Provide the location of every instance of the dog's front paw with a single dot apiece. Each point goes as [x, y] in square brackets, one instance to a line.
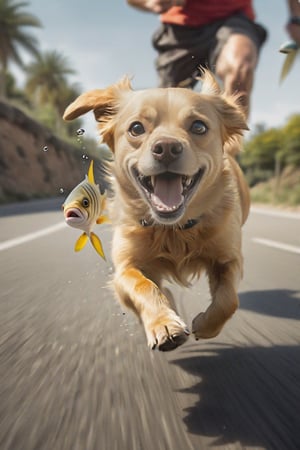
[166, 332]
[202, 328]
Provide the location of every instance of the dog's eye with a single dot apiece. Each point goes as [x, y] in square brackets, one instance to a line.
[85, 202]
[136, 129]
[198, 127]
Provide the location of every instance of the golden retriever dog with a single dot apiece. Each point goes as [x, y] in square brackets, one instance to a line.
[179, 200]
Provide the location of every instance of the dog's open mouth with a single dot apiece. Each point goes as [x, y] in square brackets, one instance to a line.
[168, 192]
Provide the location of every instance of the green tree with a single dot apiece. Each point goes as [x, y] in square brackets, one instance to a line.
[269, 151]
[261, 156]
[13, 36]
[290, 153]
[47, 77]
[47, 83]
[13, 92]
[261, 150]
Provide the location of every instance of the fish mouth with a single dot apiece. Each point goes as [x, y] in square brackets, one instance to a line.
[74, 216]
[168, 193]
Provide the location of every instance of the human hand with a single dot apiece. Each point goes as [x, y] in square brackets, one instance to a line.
[161, 6]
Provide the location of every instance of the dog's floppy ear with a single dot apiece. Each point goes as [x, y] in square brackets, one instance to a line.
[210, 85]
[231, 115]
[105, 105]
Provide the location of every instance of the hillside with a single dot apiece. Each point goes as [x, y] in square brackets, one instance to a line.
[33, 161]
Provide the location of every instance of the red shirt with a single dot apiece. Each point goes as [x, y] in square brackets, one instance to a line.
[202, 12]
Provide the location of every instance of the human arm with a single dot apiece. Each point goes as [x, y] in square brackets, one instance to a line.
[155, 6]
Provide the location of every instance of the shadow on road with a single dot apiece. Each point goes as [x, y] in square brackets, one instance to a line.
[249, 396]
[277, 303]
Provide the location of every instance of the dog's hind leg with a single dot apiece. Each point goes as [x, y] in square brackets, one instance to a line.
[223, 280]
[164, 328]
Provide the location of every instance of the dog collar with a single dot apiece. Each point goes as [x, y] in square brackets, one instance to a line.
[189, 224]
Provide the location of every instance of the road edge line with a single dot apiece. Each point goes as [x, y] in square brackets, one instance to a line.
[277, 245]
[10, 243]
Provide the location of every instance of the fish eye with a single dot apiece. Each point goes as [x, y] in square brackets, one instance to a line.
[136, 129]
[85, 202]
[198, 127]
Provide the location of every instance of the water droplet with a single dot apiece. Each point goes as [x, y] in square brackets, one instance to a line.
[45, 148]
[85, 157]
[80, 131]
[61, 190]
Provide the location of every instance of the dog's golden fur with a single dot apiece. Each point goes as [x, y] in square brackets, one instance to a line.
[179, 201]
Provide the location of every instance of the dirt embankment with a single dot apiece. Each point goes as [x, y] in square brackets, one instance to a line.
[33, 161]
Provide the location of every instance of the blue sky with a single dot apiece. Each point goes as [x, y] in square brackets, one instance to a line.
[106, 39]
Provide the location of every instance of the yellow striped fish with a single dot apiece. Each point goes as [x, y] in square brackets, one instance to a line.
[83, 209]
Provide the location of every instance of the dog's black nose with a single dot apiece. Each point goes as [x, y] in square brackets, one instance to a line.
[167, 150]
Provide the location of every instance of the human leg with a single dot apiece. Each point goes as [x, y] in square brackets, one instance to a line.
[235, 55]
[181, 51]
[235, 66]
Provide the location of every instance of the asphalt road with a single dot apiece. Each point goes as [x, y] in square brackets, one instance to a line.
[75, 371]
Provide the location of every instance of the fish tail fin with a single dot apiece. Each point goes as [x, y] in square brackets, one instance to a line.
[81, 242]
[97, 245]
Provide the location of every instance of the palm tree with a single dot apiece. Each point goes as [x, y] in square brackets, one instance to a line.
[13, 92]
[47, 82]
[13, 20]
[68, 92]
[47, 76]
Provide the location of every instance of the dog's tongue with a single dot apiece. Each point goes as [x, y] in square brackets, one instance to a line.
[167, 193]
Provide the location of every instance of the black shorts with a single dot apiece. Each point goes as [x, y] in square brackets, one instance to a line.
[181, 49]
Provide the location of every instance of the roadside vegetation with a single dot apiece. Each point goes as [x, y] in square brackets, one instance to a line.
[271, 156]
[47, 88]
[271, 162]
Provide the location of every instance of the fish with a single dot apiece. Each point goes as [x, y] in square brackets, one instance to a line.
[291, 50]
[83, 210]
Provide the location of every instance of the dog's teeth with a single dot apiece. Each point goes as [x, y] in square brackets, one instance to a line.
[153, 180]
[186, 181]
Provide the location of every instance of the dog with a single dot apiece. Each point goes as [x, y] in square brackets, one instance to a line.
[180, 199]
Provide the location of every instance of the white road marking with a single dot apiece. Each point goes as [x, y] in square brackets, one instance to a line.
[278, 245]
[31, 236]
[276, 213]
